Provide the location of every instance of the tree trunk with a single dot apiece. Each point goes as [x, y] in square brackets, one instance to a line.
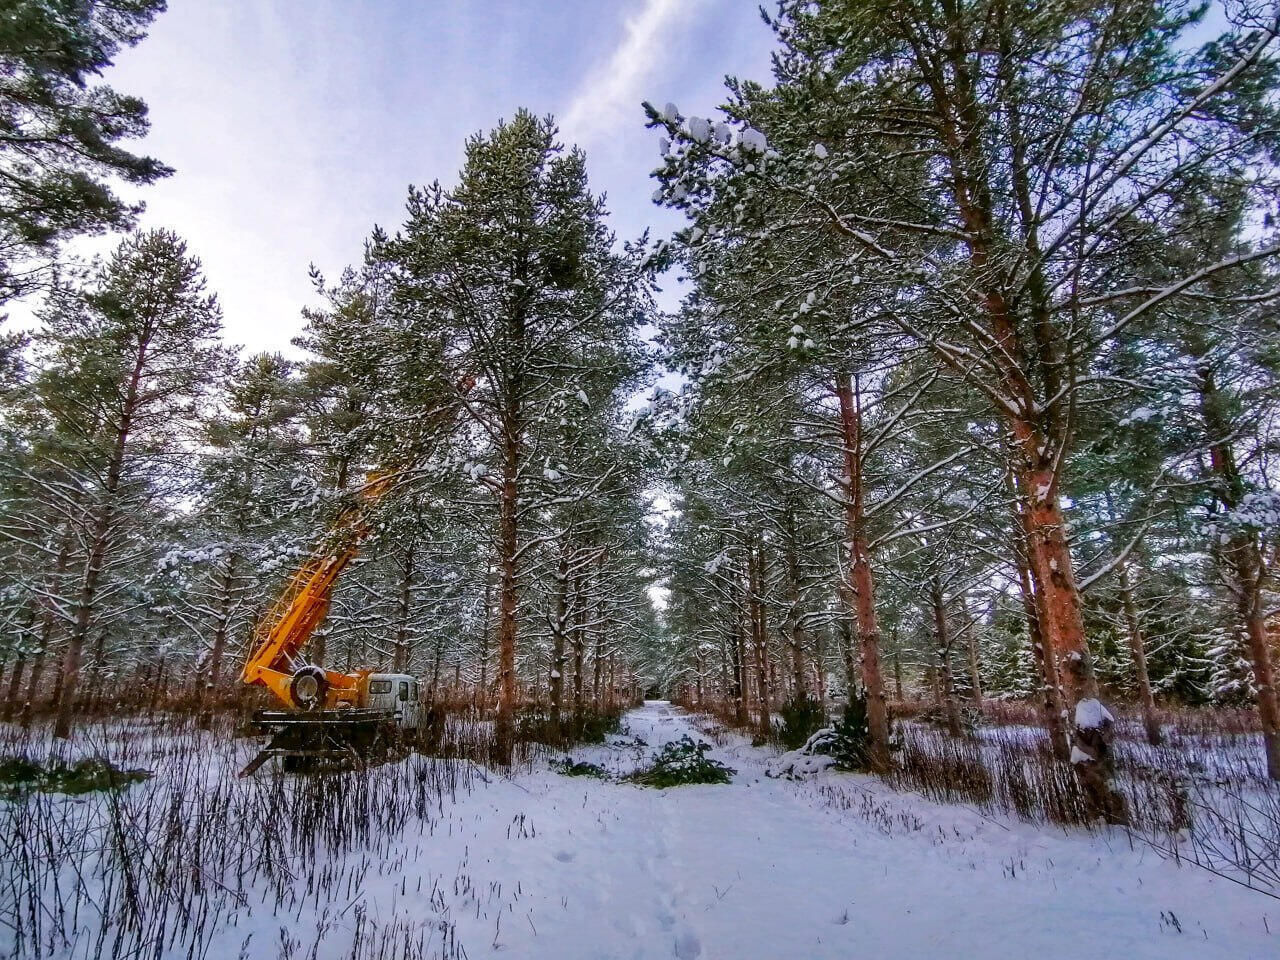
[971, 644]
[844, 627]
[15, 686]
[579, 647]
[819, 666]
[19, 666]
[1053, 711]
[794, 626]
[405, 607]
[759, 634]
[208, 690]
[740, 715]
[483, 688]
[558, 630]
[942, 638]
[862, 583]
[99, 543]
[508, 544]
[1246, 567]
[597, 653]
[1138, 649]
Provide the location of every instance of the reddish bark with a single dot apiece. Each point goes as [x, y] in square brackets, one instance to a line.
[861, 580]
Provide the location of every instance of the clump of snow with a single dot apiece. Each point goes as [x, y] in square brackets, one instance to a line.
[820, 151]
[1079, 756]
[805, 761]
[1092, 715]
[670, 113]
[699, 129]
[753, 141]
[1141, 415]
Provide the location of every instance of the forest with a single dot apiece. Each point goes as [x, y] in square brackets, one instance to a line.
[955, 464]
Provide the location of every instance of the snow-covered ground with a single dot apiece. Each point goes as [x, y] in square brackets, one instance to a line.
[540, 865]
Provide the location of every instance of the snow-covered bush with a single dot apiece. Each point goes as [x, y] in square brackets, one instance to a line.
[812, 757]
[843, 745]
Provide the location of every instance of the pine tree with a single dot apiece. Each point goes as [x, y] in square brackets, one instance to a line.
[512, 277]
[126, 365]
[60, 133]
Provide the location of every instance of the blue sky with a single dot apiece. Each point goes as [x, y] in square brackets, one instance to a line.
[294, 125]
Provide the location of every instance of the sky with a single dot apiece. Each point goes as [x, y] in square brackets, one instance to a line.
[296, 125]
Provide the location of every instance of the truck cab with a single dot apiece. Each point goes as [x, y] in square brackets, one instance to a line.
[394, 691]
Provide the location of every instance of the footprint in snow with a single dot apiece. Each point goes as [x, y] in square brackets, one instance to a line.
[564, 856]
[688, 946]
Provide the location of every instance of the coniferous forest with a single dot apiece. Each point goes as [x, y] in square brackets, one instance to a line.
[943, 495]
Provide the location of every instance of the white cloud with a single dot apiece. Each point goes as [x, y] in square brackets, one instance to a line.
[611, 94]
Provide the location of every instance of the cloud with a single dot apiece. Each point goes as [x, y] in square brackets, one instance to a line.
[611, 93]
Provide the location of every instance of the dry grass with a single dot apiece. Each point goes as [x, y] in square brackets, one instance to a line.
[164, 867]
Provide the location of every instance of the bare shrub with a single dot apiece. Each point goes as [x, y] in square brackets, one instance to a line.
[166, 866]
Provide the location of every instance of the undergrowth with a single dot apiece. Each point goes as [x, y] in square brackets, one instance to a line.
[20, 774]
[683, 762]
[802, 717]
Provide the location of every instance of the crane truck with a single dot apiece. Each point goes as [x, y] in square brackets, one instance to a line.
[329, 716]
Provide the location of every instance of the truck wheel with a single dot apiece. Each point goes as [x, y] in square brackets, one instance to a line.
[308, 687]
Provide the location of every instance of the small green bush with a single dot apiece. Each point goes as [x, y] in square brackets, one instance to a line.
[580, 768]
[18, 775]
[802, 717]
[681, 762]
[851, 744]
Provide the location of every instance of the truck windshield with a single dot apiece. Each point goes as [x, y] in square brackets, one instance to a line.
[379, 686]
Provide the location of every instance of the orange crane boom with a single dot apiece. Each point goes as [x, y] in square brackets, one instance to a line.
[294, 617]
[291, 621]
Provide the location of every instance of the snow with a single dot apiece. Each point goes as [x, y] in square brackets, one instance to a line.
[1141, 415]
[807, 760]
[538, 865]
[820, 151]
[753, 141]
[1092, 715]
[699, 129]
[1079, 756]
[670, 113]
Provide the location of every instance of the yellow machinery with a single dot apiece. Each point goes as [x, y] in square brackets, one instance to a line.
[304, 604]
[330, 715]
[350, 718]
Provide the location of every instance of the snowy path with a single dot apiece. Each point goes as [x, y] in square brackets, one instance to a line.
[763, 868]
